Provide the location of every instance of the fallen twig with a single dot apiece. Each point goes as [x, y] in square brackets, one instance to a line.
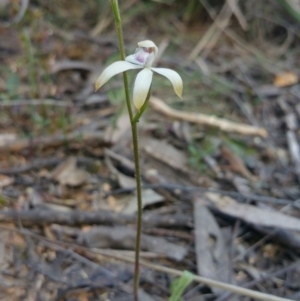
[222, 124]
[36, 164]
[53, 140]
[42, 163]
[36, 102]
[238, 13]
[47, 216]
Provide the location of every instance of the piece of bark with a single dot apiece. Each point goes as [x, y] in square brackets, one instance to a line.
[45, 216]
[124, 238]
[212, 255]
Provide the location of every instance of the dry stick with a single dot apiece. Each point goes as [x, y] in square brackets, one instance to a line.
[233, 4]
[228, 287]
[48, 216]
[36, 102]
[42, 163]
[222, 124]
[53, 140]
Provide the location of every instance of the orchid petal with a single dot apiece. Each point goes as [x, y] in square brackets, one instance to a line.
[173, 77]
[112, 70]
[141, 87]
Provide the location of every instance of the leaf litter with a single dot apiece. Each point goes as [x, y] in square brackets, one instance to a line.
[66, 163]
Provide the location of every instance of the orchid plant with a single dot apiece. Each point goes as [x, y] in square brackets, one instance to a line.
[143, 58]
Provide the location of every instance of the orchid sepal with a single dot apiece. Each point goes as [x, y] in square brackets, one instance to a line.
[173, 77]
[112, 70]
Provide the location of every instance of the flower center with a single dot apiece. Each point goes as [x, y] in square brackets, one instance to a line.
[148, 49]
[142, 54]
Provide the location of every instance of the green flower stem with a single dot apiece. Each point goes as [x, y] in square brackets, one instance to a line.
[115, 7]
[134, 120]
[140, 210]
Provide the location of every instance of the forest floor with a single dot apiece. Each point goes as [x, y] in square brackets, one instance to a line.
[220, 168]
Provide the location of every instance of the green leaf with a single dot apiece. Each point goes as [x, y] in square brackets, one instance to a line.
[179, 285]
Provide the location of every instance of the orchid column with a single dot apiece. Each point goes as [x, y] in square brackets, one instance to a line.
[143, 58]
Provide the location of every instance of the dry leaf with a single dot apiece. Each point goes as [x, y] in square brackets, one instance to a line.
[249, 213]
[285, 79]
[129, 202]
[212, 255]
[236, 163]
[149, 197]
[123, 180]
[5, 180]
[68, 173]
[166, 153]
[7, 138]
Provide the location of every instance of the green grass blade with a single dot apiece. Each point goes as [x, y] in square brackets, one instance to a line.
[179, 285]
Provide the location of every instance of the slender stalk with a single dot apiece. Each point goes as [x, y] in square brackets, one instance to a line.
[134, 120]
[140, 210]
[115, 7]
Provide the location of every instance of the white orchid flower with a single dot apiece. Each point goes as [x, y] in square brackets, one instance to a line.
[143, 58]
